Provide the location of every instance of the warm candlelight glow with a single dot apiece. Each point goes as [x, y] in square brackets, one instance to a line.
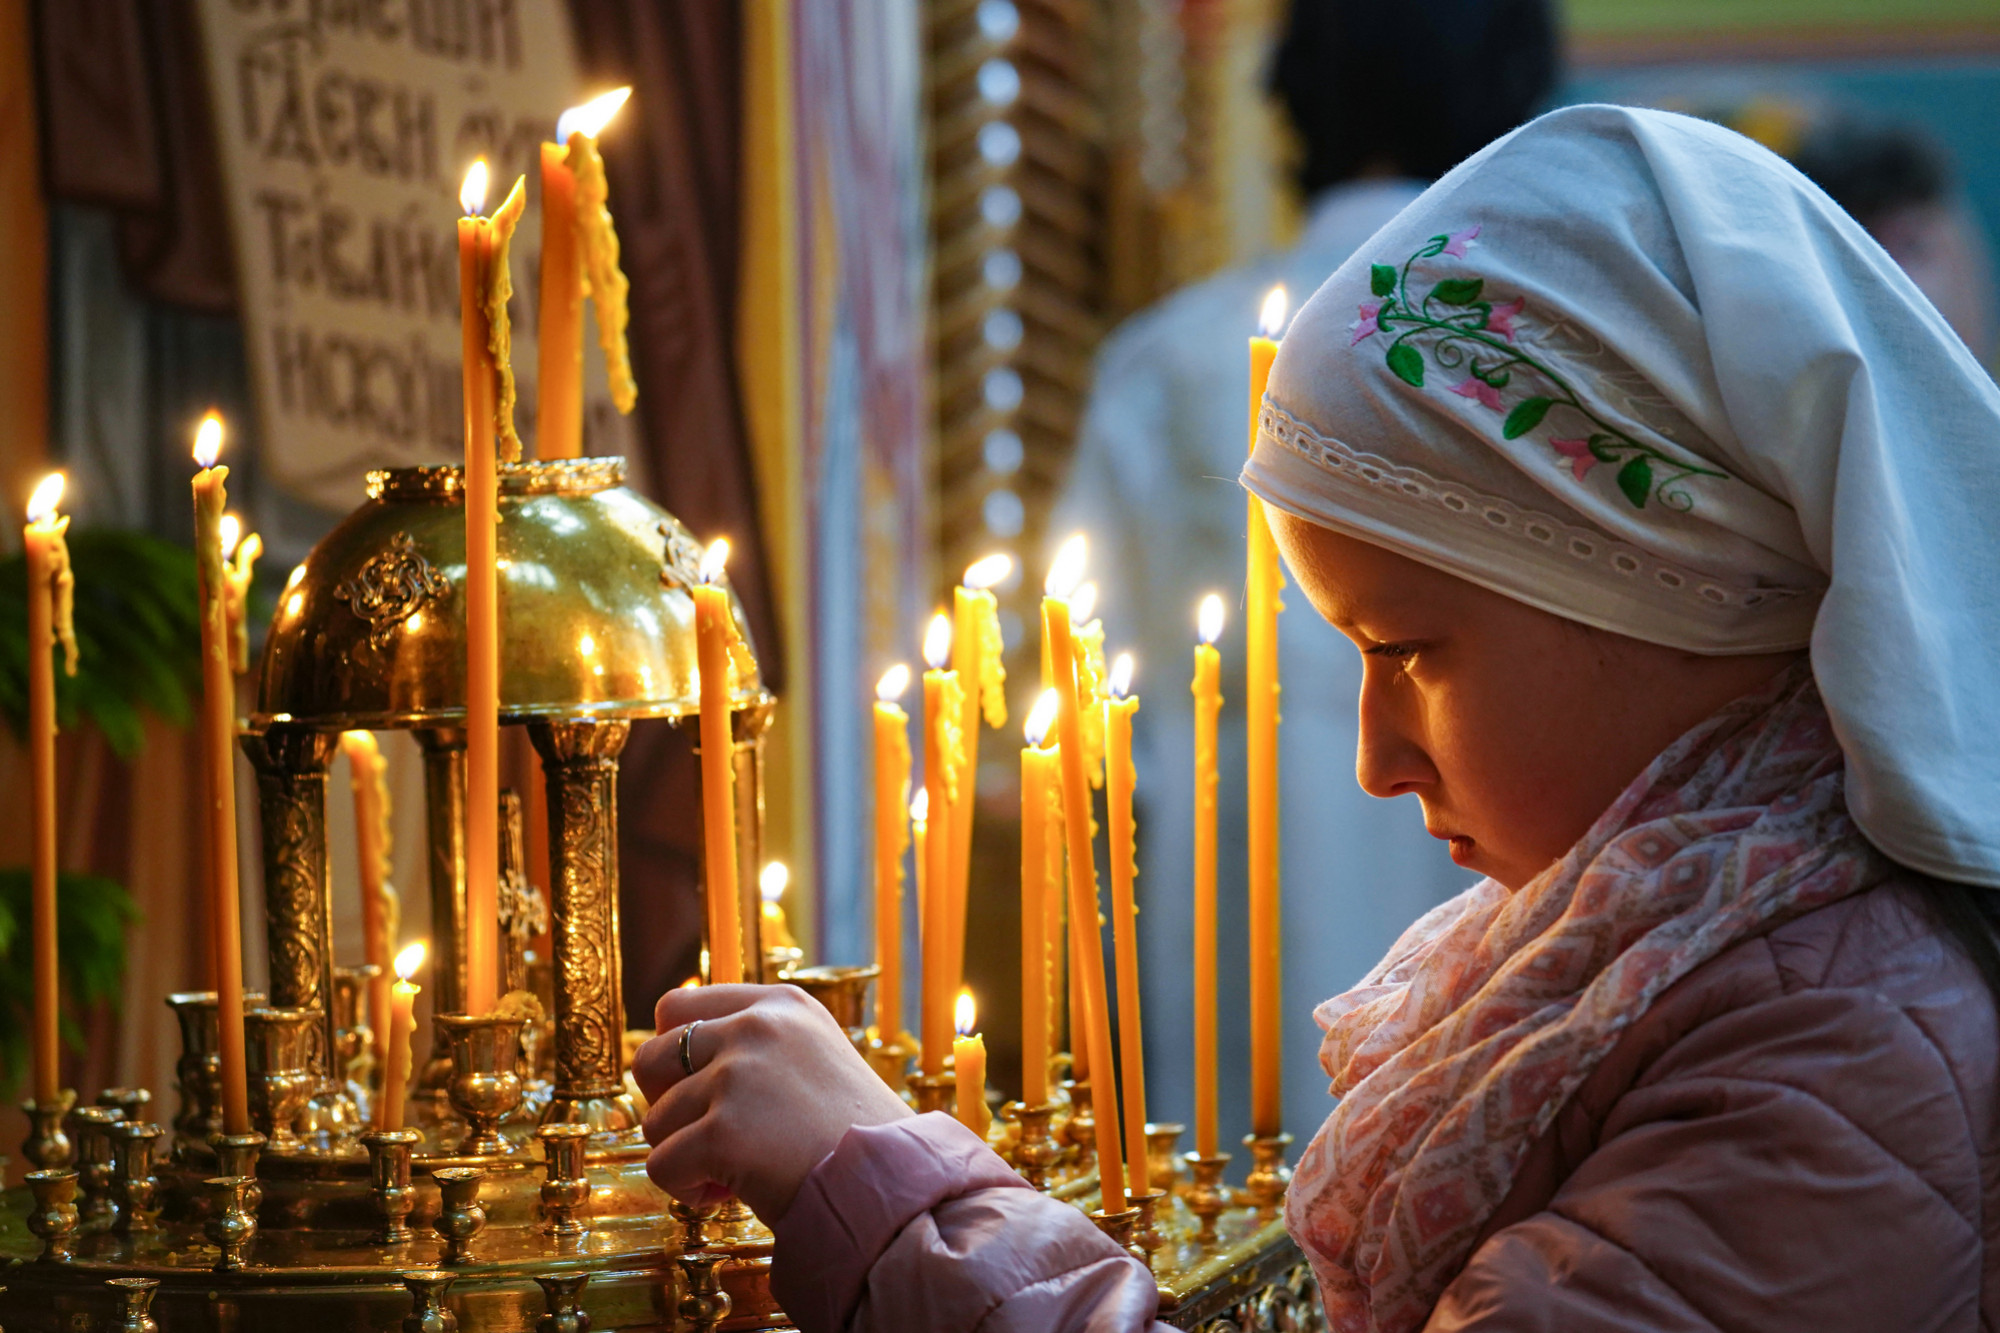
[232, 533]
[208, 440]
[1271, 319]
[590, 119]
[937, 642]
[713, 560]
[472, 194]
[965, 1015]
[893, 683]
[42, 504]
[1083, 605]
[1041, 718]
[989, 571]
[692, 983]
[772, 882]
[920, 806]
[1208, 620]
[1066, 570]
[1121, 675]
[409, 960]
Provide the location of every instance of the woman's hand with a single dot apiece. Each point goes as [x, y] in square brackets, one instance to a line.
[776, 1085]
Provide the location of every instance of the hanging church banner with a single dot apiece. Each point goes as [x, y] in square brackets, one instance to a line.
[346, 127]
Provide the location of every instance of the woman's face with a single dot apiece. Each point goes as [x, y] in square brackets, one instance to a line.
[1515, 728]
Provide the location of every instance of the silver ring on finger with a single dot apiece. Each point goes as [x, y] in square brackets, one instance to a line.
[687, 1047]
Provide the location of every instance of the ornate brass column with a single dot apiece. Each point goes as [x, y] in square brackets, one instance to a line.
[580, 762]
[444, 807]
[291, 765]
[747, 728]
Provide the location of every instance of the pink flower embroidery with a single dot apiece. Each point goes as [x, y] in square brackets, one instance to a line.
[1477, 388]
[1365, 326]
[1578, 453]
[1501, 320]
[1455, 243]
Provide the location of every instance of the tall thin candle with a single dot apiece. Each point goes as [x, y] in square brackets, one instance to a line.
[1039, 789]
[398, 1022]
[1260, 633]
[892, 839]
[572, 214]
[380, 910]
[715, 640]
[1207, 711]
[982, 680]
[1120, 779]
[218, 735]
[49, 600]
[941, 714]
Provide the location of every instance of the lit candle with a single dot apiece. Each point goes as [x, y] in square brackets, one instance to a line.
[218, 735]
[1260, 635]
[1086, 948]
[892, 839]
[1065, 572]
[1087, 631]
[976, 657]
[1038, 830]
[484, 287]
[774, 932]
[718, 647]
[1207, 709]
[402, 1021]
[380, 911]
[1120, 778]
[968, 1059]
[50, 586]
[941, 714]
[579, 256]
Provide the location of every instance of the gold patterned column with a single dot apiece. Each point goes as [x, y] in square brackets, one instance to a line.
[444, 809]
[580, 765]
[291, 768]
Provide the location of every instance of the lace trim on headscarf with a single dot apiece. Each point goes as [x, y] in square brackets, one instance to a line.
[1581, 544]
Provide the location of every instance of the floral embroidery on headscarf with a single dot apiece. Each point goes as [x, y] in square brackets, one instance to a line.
[1462, 331]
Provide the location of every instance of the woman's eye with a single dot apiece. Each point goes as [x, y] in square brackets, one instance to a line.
[1397, 651]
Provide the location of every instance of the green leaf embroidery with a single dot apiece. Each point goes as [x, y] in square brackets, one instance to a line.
[1601, 448]
[1408, 364]
[1527, 415]
[1636, 480]
[1381, 279]
[1458, 291]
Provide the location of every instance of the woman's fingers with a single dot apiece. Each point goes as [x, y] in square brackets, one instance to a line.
[691, 1002]
[657, 1065]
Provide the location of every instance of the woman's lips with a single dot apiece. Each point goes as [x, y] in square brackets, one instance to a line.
[1461, 848]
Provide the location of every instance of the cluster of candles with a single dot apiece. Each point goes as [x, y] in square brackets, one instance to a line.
[580, 257]
[1078, 737]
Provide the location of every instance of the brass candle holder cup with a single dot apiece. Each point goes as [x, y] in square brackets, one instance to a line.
[87, 1126]
[844, 992]
[236, 1155]
[132, 1181]
[890, 1058]
[47, 1146]
[1206, 1195]
[136, 1103]
[1120, 1227]
[935, 1092]
[277, 1044]
[231, 1222]
[706, 1304]
[429, 1313]
[1036, 1152]
[561, 1292]
[693, 1222]
[135, 1303]
[485, 1076]
[460, 1215]
[389, 1186]
[1147, 1237]
[1163, 1159]
[199, 1070]
[1264, 1188]
[566, 1192]
[54, 1218]
[1079, 1131]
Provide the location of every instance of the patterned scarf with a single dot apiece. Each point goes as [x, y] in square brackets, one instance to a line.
[1453, 1056]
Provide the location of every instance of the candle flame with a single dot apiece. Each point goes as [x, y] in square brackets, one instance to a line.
[1121, 675]
[590, 119]
[1271, 319]
[472, 194]
[937, 641]
[692, 983]
[208, 439]
[1066, 570]
[965, 1014]
[48, 495]
[894, 681]
[409, 960]
[1083, 605]
[1041, 718]
[920, 806]
[983, 574]
[772, 882]
[1208, 620]
[713, 560]
[231, 532]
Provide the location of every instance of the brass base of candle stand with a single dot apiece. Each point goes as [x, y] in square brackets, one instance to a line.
[1269, 1177]
[1207, 1197]
[935, 1092]
[1163, 1159]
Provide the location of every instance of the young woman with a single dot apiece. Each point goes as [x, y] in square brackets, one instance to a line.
[1658, 503]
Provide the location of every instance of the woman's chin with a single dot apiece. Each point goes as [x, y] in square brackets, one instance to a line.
[1464, 851]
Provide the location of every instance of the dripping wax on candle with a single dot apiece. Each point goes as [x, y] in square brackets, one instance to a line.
[401, 1022]
[968, 1057]
[892, 839]
[942, 704]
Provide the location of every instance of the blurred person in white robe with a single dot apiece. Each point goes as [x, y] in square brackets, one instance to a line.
[1385, 97]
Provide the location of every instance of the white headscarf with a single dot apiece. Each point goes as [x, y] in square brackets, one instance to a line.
[1633, 369]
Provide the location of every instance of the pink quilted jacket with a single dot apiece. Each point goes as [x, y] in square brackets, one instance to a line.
[1801, 1135]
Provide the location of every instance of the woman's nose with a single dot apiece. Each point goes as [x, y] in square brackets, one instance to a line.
[1389, 756]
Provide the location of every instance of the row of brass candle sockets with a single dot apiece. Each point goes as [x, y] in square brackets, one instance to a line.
[565, 1193]
[134, 1296]
[704, 1306]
